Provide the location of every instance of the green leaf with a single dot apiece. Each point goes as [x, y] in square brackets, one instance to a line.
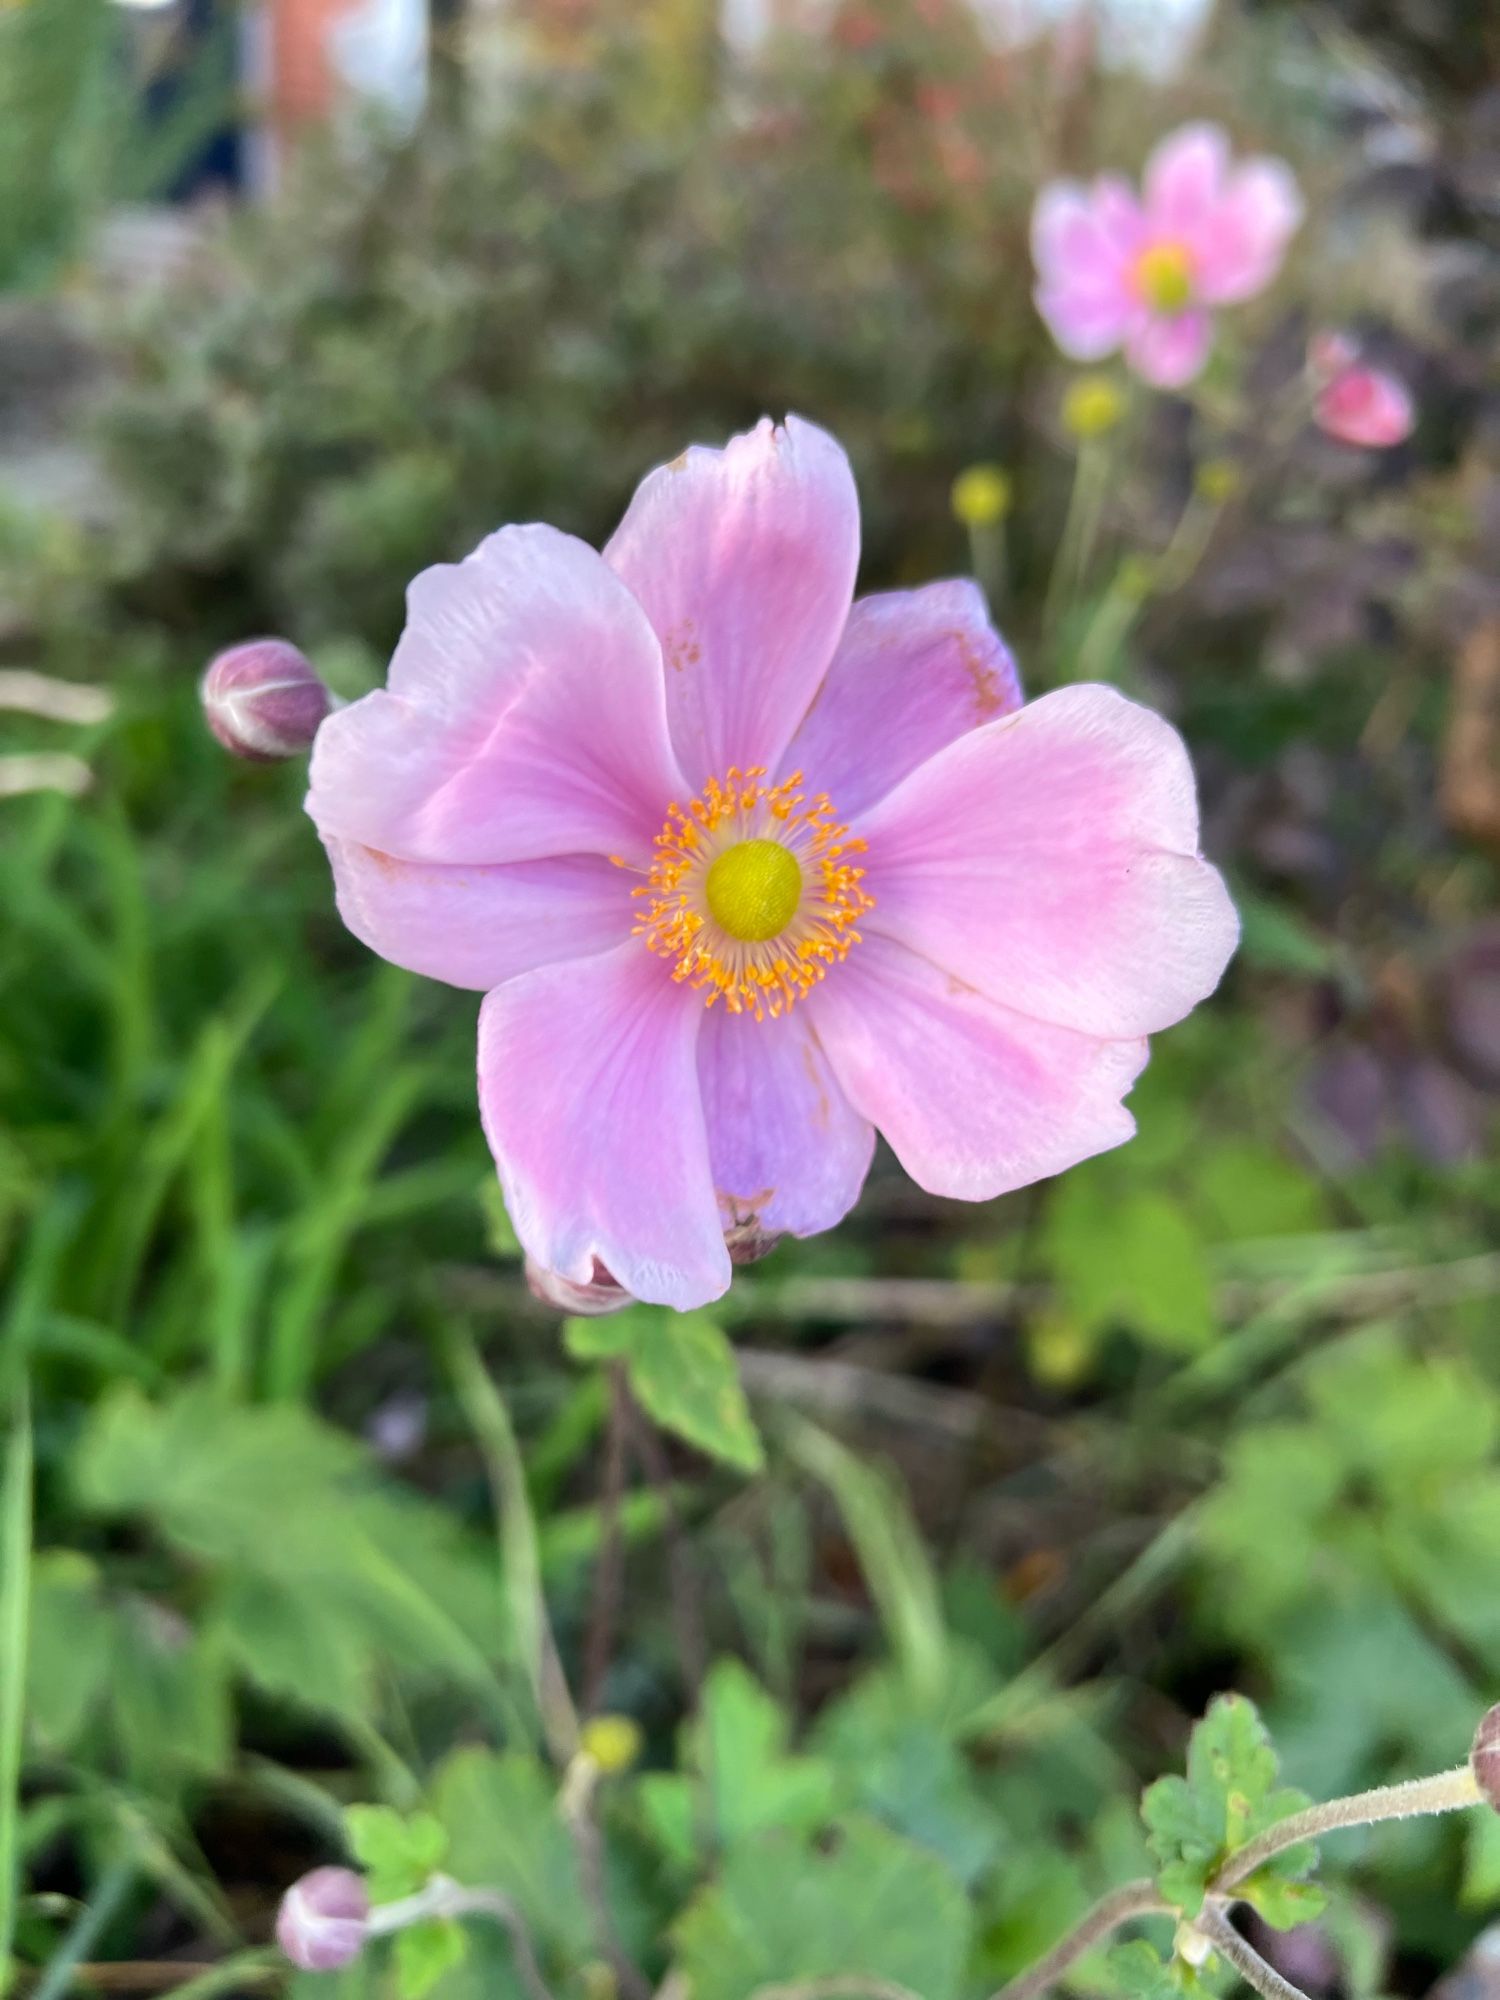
[1130, 1257]
[73, 1635]
[1229, 1794]
[504, 1829]
[787, 1909]
[424, 1952]
[682, 1372]
[1139, 1972]
[399, 1854]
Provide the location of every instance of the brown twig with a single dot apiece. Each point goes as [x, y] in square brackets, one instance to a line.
[1121, 1906]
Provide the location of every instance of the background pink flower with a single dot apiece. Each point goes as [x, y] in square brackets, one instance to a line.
[747, 872]
[1357, 404]
[1143, 271]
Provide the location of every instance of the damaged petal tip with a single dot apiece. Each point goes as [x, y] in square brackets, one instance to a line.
[600, 1295]
[264, 701]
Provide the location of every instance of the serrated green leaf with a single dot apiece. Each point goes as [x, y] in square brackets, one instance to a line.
[424, 1952]
[786, 1909]
[682, 1372]
[1228, 1795]
[399, 1853]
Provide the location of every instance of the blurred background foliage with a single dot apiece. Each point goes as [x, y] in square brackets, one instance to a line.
[1218, 1410]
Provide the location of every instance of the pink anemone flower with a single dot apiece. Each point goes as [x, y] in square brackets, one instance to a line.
[746, 871]
[1145, 271]
[1357, 404]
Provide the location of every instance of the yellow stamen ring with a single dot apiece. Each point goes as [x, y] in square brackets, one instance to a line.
[752, 893]
[1164, 277]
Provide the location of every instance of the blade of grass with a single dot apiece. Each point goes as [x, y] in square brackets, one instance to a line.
[15, 1602]
[534, 1651]
[96, 1913]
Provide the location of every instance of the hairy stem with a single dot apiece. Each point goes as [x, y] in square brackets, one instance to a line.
[443, 1897]
[1120, 1906]
[1213, 1924]
[1446, 1792]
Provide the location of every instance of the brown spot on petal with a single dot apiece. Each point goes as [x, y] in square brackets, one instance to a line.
[679, 463]
[824, 1111]
[680, 648]
[989, 693]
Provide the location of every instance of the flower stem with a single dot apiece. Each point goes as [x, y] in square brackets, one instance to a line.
[1448, 1791]
[1120, 1906]
[443, 1897]
[1212, 1923]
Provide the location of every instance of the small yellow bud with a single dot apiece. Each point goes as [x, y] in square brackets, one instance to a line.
[613, 1742]
[1059, 1350]
[981, 496]
[1093, 405]
[1217, 480]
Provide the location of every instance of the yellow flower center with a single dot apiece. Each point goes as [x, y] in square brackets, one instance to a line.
[753, 890]
[752, 893]
[1164, 277]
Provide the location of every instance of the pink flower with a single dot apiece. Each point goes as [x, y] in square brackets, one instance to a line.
[1116, 269]
[746, 873]
[1356, 404]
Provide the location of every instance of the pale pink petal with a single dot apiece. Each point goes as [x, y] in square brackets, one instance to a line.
[789, 1153]
[1240, 247]
[744, 562]
[1084, 238]
[524, 716]
[1050, 860]
[1087, 326]
[1183, 179]
[973, 1098]
[588, 1088]
[914, 669]
[1169, 352]
[476, 926]
[1368, 407]
[1083, 241]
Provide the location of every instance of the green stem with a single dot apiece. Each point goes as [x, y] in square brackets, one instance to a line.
[106, 1899]
[15, 1606]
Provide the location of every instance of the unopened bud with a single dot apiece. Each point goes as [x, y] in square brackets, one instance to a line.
[592, 1300]
[1092, 406]
[981, 496]
[1484, 1758]
[324, 1919]
[264, 701]
[612, 1741]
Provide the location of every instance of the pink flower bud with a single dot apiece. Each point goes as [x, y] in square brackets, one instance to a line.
[1357, 404]
[324, 1919]
[590, 1301]
[263, 700]
[1484, 1758]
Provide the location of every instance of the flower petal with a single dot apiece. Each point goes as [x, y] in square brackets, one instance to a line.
[788, 1152]
[1239, 249]
[588, 1088]
[1050, 861]
[1366, 406]
[914, 669]
[744, 561]
[1184, 177]
[475, 927]
[1169, 352]
[974, 1099]
[525, 716]
[1082, 241]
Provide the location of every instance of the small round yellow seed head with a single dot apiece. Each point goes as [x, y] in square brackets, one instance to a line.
[753, 890]
[1217, 480]
[981, 496]
[1093, 405]
[612, 1742]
